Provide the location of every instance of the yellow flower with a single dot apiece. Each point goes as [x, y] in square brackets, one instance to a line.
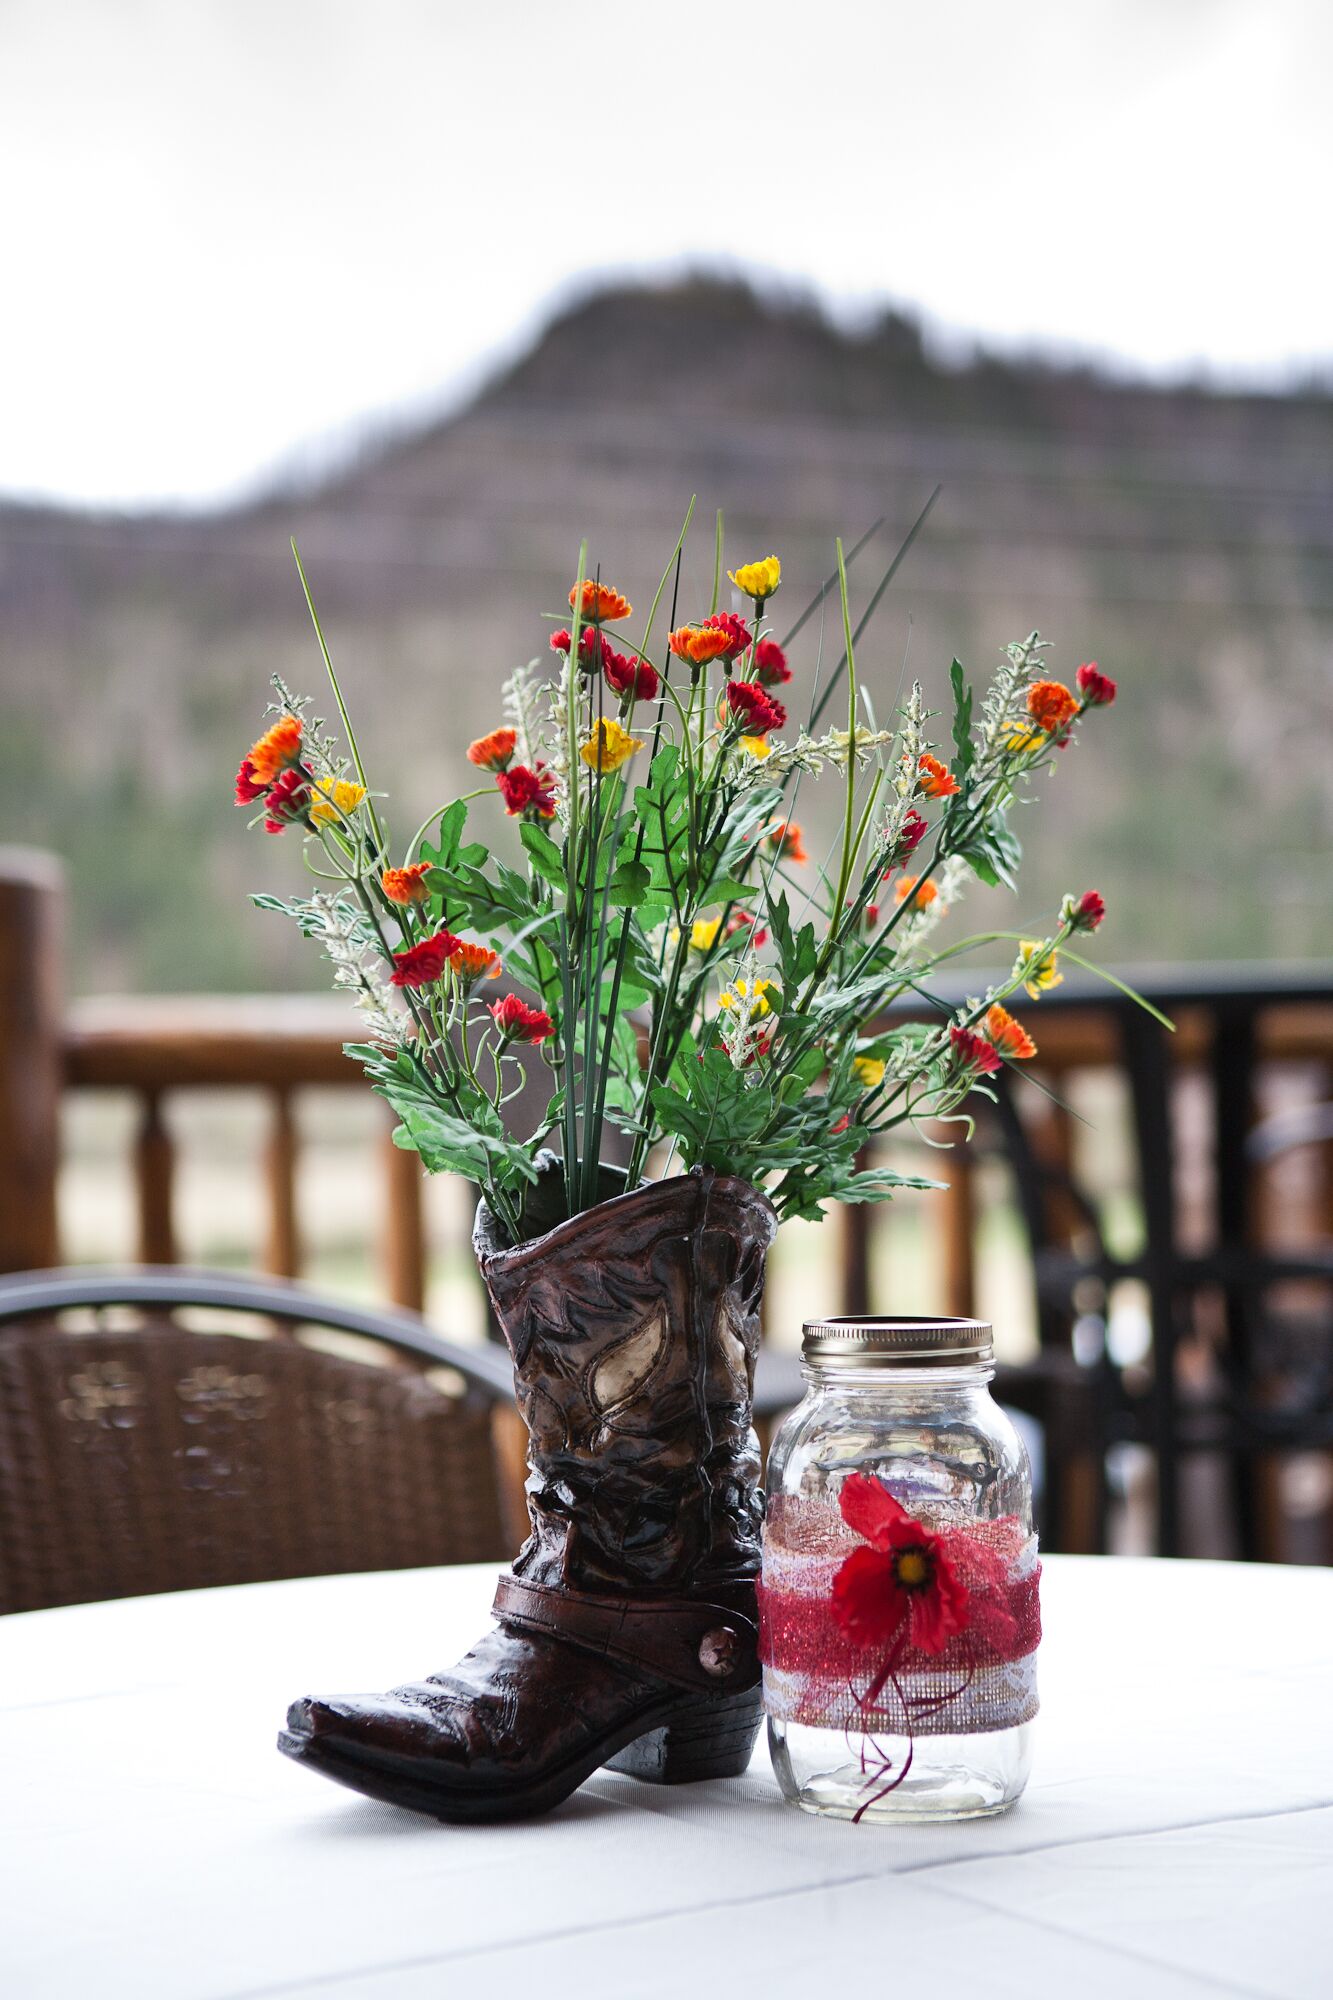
[1024, 737]
[615, 747]
[703, 933]
[758, 580]
[748, 993]
[869, 1070]
[758, 747]
[1037, 965]
[341, 797]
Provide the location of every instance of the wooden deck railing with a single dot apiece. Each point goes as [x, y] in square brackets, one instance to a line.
[281, 1046]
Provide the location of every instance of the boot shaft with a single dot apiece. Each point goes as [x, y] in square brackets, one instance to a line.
[633, 1329]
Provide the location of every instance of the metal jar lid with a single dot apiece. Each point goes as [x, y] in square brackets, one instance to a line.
[903, 1342]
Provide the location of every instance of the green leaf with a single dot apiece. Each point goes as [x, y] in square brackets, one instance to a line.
[962, 723]
[629, 884]
[994, 853]
[543, 854]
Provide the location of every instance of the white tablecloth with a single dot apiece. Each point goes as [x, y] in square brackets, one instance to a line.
[1176, 1839]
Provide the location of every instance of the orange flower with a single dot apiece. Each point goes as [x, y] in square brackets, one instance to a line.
[1009, 1036]
[276, 750]
[493, 752]
[936, 781]
[1051, 706]
[699, 644]
[786, 838]
[476, 961]
[923, 894]
[406, 885]
[601, 604]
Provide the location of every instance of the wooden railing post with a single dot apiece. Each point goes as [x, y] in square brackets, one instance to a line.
[31, 1008]
[155, 1166]
[283, 1256]
[855, 1218]
[404, 1228]
[957, 1219]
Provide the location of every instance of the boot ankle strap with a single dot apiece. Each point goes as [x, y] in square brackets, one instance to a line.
[676, 1639]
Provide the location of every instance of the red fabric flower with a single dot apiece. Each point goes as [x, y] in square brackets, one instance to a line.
[771, 663]
[903, 1583]
[755, 711]
[248, 787]
[525, 791]
[422, 964]
[736, 630]
[627, 674]
[1097, 689]
[518, 1022]
[288, 800]
[974, 1052]
[1088, 912]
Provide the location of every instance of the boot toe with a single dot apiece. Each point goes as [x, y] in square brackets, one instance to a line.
[390, 1725]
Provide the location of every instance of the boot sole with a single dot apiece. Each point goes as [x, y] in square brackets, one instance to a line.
[678, 1742]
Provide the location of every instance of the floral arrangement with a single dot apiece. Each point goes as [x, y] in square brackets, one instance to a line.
[685, 969]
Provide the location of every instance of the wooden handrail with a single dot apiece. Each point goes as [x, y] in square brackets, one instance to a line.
[283, 1044]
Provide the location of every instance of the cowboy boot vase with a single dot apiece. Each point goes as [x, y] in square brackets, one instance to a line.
[626, 1632]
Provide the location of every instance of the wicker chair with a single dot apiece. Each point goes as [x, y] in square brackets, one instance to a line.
[162, 1429]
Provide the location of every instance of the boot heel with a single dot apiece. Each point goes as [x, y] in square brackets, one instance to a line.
[709, 1738]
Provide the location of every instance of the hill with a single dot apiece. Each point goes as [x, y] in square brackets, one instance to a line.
[1181, 538]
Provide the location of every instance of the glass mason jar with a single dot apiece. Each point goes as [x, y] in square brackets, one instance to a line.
[899, 1611]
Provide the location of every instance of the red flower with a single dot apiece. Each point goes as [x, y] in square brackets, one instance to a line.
[601, 604]
[406, 885]
[592, 645]
[755, 711]
[493, 752]
[1052, 707]
[841, 1125]
[277, 749]
[288, 800]
[771, 663]
[248, 788]
[973, 1052]
[902, 1579]
[518, 1022]
[736, 630]
[910, 836]
[935, 779]
[742, 920]
[1009, 1036]
[787, 839]
[627, 674]
[1096, 688]
[525, 791]
[699, 644]
[422, 964]
[1087, 912]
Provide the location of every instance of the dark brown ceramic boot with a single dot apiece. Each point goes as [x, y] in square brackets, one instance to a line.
[626, 1633]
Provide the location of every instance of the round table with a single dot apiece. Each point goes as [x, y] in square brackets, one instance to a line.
[1176, 1839]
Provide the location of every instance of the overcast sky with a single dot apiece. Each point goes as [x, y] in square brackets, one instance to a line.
[233, 228]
